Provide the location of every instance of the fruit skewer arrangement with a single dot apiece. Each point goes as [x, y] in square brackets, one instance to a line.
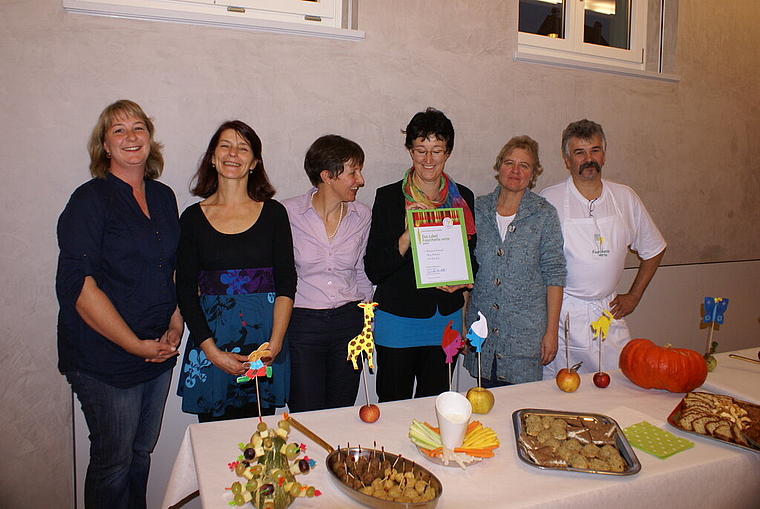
[268, 468]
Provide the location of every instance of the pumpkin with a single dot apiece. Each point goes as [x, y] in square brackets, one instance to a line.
[654, 367]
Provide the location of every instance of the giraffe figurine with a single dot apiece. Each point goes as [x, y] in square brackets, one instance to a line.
[365, 341]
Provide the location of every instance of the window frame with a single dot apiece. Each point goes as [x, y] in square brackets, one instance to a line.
[573, 52]
[335, 19]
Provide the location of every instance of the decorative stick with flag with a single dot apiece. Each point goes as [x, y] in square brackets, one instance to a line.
[451, 342]
[715, 308]
[601, 327]
[477, 334]
[256, 368]
[364, 344]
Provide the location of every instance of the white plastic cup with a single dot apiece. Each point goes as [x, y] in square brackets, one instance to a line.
[453, 412]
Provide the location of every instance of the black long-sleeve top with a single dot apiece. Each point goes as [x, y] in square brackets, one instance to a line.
[268, 243]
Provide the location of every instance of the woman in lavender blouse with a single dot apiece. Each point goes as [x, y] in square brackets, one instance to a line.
[330, 230]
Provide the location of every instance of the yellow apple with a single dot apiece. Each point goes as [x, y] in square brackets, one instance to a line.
[568, 379]
[481, 400]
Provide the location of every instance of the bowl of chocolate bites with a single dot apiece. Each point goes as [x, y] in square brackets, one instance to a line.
[382, 480]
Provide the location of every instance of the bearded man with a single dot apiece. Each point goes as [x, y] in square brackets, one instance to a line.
[601, 221]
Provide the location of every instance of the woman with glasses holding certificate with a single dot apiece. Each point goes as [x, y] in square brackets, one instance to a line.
[409, 322]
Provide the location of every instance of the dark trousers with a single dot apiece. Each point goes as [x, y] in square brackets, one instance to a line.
[397, 369]
[232, 412]
[320, 374]
[124, 426]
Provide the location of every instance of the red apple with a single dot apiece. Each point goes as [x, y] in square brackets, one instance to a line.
[601, 379]
[568, 379]
[369, 413]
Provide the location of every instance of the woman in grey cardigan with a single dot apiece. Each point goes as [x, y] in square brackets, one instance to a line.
[522, 271]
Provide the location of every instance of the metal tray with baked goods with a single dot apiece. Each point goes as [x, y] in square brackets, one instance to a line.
[720, 418]
[574, 442]
[340, 463]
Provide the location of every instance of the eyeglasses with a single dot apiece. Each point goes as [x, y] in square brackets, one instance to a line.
[421, 153]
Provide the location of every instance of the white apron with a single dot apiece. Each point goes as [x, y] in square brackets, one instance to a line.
[595, 250]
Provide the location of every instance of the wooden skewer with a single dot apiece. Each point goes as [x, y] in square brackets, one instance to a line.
[310, 434]
[709, 337]
[734, 356]
[600, 351]
[258, 398]
[365, 374]
[567, 340]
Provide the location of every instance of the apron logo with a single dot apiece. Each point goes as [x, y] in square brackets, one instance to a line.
[599, 240]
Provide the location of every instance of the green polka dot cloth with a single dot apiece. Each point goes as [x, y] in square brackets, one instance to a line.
[655, 441]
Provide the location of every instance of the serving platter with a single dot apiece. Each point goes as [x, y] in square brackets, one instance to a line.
[675, 417]
[399, 462]
[632, 464]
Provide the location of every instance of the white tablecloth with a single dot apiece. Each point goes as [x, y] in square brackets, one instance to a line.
[735, 377]
[709, 474]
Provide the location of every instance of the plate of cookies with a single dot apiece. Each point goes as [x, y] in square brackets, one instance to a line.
[576, 442]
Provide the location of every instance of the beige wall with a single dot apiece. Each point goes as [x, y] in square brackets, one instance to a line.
[686, 147]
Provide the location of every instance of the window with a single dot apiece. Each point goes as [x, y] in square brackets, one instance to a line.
[597, 34]
[322, 18]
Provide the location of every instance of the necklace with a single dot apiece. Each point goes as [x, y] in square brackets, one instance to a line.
[591, 207]
[340, 217]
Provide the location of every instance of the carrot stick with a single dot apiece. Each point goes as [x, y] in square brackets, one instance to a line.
[469, 450]
[478, 453]
[433, 453]
[483, 455]
[433, 428]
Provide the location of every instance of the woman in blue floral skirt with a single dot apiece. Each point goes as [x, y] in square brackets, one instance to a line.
[236, 281]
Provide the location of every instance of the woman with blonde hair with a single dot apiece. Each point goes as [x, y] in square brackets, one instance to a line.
[522, 271]
[119, 327]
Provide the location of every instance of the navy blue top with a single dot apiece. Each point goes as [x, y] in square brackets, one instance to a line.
[103, 233]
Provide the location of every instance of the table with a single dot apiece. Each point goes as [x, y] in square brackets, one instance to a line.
[735, 377]
[710, 474]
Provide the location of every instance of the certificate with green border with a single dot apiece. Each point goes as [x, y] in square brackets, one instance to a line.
[439, 247]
